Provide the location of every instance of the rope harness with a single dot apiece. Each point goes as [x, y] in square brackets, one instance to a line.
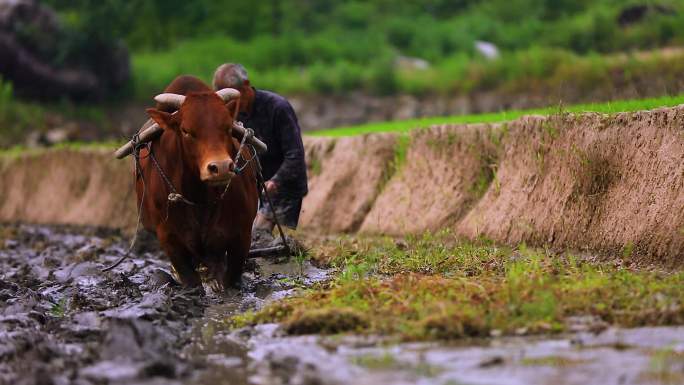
[175, 197]
[137, 145]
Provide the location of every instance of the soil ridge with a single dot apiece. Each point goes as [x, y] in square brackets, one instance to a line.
[594, 182]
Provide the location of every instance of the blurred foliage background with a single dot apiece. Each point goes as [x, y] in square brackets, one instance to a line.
[536, 52]
[335, 46]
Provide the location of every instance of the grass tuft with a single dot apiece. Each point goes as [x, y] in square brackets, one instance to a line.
[433, 287]
[325, 321]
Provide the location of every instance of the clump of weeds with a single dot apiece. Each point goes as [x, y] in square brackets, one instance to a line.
[666, 367]
[394, 167]
[436, 287]
[330, 320]
[316, 166]
[371, 361]
[387, 361]
[555, 361]
[7, 233]
[60, 308]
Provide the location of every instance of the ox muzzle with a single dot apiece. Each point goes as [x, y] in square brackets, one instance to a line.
[218, 172]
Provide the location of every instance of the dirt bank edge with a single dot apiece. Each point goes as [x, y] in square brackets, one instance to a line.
[68, 186]
[583, 181]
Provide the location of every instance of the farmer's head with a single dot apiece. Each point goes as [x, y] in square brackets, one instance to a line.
[234, 75]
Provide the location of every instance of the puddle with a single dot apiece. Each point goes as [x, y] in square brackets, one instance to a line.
[62, 321]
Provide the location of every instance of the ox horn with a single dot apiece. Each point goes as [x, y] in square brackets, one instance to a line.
[228, 93]
[173, 100]
[150, 129]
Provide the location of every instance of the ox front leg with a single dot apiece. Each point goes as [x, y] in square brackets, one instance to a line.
[236, 257]
[181, 259]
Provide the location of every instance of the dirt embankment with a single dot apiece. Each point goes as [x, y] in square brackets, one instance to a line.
[345, 177]
[589, 182]
[81, 187]
[444, 171]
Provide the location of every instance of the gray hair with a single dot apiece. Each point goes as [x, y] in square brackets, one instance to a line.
[232, 75]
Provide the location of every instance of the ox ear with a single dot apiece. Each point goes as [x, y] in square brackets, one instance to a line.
[165, 120]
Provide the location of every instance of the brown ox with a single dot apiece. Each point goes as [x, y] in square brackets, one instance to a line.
[196, 153]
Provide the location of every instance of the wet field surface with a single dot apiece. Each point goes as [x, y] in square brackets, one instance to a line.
[64, 321]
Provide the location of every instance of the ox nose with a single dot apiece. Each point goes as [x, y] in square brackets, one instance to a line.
[213, 168]
[219, 169]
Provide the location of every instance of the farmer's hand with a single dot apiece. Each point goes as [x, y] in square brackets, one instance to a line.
[271, 187]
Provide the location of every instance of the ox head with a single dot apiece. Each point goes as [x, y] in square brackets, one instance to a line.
[203, 126]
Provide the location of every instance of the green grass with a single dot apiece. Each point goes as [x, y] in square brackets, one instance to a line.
[407, 125]
[527, 71]
[387, 361]
[556, 361]
[20, 150]
[18, 117]
[295, 46]
[435, 287]
[665, 367]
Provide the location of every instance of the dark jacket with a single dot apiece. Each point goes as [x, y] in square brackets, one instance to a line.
[274, 122]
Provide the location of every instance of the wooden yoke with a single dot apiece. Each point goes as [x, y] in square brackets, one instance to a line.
[151, 130]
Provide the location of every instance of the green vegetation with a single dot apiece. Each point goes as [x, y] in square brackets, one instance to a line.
[16, 151]
[316, 166]
[407, 125]
[427, 28]
[302, 46]
[297, 46]
[532, 69]
[433, 287]
[15, 117]
[552, 361]
[59, 309]
[387, 362]
[665, 367]
[400, 150]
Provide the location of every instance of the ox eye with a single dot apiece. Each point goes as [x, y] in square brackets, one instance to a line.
[186, 134]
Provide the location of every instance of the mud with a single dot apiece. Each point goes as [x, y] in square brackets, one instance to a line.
[63, 321]
[635, 356]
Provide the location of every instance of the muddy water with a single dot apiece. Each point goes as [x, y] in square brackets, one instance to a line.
[62, 321]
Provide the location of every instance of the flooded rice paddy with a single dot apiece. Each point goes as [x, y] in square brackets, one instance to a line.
[64, 321]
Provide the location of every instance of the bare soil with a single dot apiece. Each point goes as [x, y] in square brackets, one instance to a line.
[64, 321]
[609, 183]
[76, 187]
[446, 170]
[345, 176]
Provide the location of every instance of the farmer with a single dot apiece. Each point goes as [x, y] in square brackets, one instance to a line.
[274, 121]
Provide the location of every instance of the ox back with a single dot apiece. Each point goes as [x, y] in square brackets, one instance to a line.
[207, 234]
